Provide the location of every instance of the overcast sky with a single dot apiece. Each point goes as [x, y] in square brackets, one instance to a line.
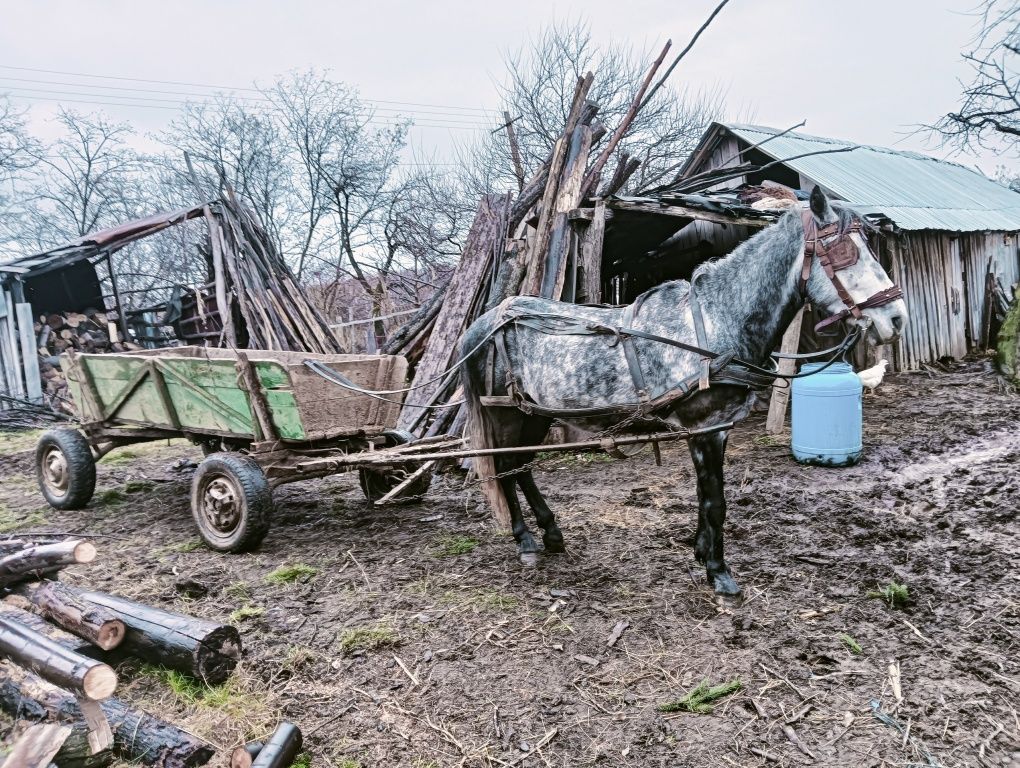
[864, 70]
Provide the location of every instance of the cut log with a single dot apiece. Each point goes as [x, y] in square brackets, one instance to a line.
[56, 602]
[244, 756]
[55, 663]
[203, 649]
[281, 748]
[37, 746]
[16, 607]
[137, 736]
[34, 562]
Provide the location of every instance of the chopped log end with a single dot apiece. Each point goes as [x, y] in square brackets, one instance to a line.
[217, 655]
[85, 552]
[244, 756]
[111, 634]
[100, 682]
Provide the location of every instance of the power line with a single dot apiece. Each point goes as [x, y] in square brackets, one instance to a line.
[97, 101]
[130, 100]
[204, 97]
[223, 87]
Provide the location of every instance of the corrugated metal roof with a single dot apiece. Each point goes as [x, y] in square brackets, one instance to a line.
[914, 190]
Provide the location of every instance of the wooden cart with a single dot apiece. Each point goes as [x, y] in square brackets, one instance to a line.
[262, 419]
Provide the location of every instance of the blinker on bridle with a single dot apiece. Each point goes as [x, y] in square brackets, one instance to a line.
[836, 251]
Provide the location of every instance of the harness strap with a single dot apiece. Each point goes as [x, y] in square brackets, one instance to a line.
[633, 361]
[699, 332]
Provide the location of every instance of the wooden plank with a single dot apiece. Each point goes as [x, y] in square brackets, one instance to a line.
[776, 421]
[690, 213]
[29, 355]
[36, 747]
[591, 255]
[11, 327]
[454, 315]
[567, 198]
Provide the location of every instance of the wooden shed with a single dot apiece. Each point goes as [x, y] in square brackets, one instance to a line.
[952, 233]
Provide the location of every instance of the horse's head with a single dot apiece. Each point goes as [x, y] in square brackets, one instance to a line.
[843, 275]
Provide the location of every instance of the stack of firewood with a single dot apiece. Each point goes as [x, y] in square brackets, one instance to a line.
[57, 332]
[55, 642]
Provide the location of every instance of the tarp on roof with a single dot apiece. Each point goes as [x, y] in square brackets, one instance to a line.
[114, 237]
[914, 190]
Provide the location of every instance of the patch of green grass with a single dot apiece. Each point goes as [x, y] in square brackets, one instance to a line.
[480, 599]
[238, 590]
[451, 546]
[592, 457]
[18, 440]
[769, 441]
[120, 456]
[895, 594]
[228, 697]
[11, 521]
[368, 638]
[247, 612]
[852, 645]
[699, 701]
[285, 574]
[138, 486]
[112, 496]
[304, 760]
[349, 763]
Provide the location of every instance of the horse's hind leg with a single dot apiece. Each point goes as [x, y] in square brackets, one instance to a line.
[552, 538]
[708, 453]
[527, 548]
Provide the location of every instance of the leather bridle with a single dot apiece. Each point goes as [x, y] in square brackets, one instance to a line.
[836, 251]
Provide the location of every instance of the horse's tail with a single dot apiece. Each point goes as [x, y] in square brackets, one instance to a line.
[481, 433]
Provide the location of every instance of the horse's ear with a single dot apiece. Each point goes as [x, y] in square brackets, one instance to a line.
[818, 202]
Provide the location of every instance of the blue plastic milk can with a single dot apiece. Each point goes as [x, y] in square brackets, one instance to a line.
[827, 420]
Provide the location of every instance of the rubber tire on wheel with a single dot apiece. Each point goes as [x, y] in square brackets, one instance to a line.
[72, 486]
[376, 483]
[249, 506]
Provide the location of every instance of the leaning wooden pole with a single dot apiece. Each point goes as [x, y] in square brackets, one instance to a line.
[203, 649]
[54, 663]
[58, 603]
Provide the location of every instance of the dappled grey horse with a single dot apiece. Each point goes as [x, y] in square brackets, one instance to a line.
[531, 360]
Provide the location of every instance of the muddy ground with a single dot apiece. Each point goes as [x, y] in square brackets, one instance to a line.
[419, 641]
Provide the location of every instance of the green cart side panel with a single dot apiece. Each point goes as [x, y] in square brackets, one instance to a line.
[205, 394]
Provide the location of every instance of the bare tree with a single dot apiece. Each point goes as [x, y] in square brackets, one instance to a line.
[17, 147]
[238, 142]
[538, 92]
[84, 180]
[989, 110]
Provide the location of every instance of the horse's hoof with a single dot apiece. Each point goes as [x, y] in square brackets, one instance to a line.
[724, 584]
[554, 544]
[528, 559]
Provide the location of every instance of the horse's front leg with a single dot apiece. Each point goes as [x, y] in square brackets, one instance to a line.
[708, 453]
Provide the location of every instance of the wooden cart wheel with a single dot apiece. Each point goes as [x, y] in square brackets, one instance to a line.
[376, 483]
[65, 468]
[231, 502]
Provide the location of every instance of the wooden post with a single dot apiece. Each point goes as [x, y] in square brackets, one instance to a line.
[29, 353]
[591, 256]
[776, 420]
[121, 315]
[11, 372]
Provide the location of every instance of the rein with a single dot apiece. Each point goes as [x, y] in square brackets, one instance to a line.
[835, 251]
